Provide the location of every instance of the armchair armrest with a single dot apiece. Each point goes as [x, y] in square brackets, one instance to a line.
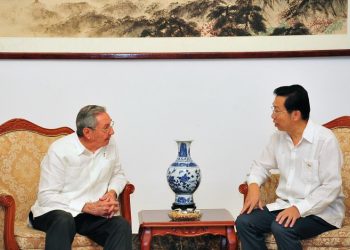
[124, 200]
[243, 189]
[267, 190]
[9, 205]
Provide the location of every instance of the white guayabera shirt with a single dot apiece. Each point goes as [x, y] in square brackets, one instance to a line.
[310, 173]
[71, 175]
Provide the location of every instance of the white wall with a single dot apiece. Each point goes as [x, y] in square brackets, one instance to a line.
[224, 105]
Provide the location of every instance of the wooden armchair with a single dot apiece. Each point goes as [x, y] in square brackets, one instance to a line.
[22, 146]
[335, 239]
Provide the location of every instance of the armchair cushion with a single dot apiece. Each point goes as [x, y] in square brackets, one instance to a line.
[28, 238]
[335, 239]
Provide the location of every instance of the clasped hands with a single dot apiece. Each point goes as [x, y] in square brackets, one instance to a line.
[287, 216]
[106, 206]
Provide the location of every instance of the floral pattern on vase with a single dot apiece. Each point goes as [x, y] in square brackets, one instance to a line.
[183, 177]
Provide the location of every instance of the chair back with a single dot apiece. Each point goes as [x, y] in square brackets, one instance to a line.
[341, 129]
[22, 147]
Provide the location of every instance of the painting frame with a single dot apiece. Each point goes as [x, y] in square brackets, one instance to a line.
[238, 51]
[224, 47]
[175, 55]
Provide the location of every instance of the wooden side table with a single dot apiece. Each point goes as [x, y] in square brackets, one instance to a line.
[213, 221]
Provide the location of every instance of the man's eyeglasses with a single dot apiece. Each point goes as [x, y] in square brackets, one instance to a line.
[277, 112]
[105, 129]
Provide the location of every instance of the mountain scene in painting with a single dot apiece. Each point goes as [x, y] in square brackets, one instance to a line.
[171, 18]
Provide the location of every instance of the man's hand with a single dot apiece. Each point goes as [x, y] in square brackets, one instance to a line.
[288, 216]
[111, 196]
[106, 206]
[253, 199]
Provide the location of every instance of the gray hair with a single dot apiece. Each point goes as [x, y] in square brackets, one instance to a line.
[86, 118]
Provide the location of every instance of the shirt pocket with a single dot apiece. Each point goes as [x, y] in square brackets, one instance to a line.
[309, 171]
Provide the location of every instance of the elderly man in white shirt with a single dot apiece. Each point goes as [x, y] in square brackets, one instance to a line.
[81, 177]
[309, 194]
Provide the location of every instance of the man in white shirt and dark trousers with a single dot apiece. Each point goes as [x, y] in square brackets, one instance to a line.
[81, 178]
[309, 194]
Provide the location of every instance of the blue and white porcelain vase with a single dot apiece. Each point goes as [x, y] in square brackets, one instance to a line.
[183, 177]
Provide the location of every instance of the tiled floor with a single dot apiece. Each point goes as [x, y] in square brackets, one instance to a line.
[207, 242]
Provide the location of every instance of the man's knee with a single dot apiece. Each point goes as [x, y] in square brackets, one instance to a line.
[286, 237]
[121, 225]
[242, 221]
[62, 220]
[279, 230]
[54, 219]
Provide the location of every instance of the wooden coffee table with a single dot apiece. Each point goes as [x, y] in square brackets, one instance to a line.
[213, 221]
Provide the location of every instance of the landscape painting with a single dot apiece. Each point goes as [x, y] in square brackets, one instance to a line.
[171, 18]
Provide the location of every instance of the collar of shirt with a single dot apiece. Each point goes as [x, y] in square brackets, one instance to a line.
[308, 133]
[81, 148]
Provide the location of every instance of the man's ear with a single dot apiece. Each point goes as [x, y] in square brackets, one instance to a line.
[296, 115]
[87, 133]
